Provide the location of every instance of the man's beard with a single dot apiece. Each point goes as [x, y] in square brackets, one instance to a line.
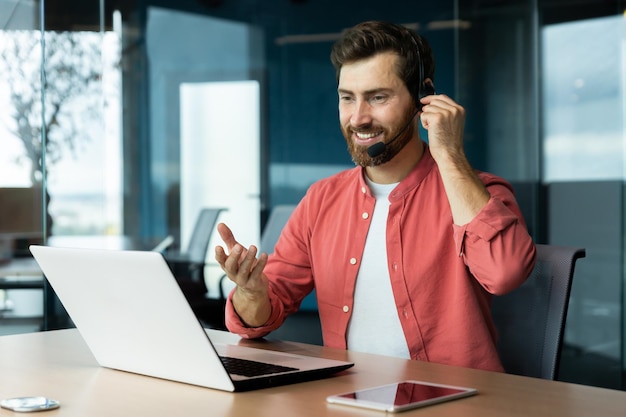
[359, 153]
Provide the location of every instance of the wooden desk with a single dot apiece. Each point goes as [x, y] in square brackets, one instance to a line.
[57, 364]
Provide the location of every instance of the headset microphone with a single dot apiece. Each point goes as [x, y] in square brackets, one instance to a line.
[378, 148]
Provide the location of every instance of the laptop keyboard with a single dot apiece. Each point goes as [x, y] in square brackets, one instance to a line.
[250, 368]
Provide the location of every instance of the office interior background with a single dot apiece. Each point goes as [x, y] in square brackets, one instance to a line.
[151, 110]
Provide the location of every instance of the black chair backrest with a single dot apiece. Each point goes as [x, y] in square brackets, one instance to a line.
[198, 245]
[531, 319]
[275, 223]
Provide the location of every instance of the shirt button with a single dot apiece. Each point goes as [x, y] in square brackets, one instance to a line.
[365, 215]
[346, 309]
[353, 261]
[363, 190]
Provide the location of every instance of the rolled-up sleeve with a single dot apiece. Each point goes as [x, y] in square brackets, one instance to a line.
[496, 245]
[237, 326]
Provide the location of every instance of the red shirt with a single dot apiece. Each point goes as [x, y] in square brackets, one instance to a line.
[442, 275]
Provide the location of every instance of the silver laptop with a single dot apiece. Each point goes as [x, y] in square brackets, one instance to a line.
[133, 316]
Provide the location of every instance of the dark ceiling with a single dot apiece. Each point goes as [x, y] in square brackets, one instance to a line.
[84, 15]
[65, 15]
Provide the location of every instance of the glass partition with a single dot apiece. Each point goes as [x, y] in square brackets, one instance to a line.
[583, 151]
[61, 178]
[22, 197]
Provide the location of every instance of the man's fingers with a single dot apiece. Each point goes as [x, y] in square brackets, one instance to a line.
[256, 280]
[248, 262]
[230, 263]
[241, 264]
[227, 235]
[220, 255]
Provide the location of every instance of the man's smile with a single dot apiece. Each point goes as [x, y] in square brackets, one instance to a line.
[367, 138]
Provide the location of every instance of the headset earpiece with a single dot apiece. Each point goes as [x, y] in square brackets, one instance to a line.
[428, 89]
[424, 88]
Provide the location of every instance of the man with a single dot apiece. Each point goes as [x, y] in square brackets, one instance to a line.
[405, 250]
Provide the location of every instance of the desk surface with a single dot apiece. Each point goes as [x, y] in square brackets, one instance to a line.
[58, 364]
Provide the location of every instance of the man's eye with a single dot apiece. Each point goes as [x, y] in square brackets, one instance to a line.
[346, 99]
[378, 99]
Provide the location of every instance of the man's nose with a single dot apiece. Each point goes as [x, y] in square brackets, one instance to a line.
[362, 114]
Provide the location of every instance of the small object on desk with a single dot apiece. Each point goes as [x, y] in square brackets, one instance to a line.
[401, 396]
[29, 404]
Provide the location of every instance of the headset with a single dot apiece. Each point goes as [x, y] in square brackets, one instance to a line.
[423, 88]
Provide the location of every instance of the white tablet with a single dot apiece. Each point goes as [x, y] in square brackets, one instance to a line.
[401, 396]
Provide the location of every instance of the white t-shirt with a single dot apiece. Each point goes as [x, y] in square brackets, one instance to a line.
[374, 326]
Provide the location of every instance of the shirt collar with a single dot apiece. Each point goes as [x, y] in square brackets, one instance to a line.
[418, 173]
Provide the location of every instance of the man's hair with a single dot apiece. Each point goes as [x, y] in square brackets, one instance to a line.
[370, 38]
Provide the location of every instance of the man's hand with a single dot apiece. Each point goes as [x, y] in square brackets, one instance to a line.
[445, 120]
[251, 299]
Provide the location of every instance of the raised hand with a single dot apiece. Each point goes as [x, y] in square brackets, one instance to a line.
[251, 300]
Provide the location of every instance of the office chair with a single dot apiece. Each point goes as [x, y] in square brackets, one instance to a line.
[531, 319]
[274, 226]
[189, 263]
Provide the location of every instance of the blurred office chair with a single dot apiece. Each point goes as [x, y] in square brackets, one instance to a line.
[274, 226]
[164, 244]
[188, 264]
[531, 319]
[188, 268]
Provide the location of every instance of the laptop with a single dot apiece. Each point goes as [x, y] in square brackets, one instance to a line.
[133, 316]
